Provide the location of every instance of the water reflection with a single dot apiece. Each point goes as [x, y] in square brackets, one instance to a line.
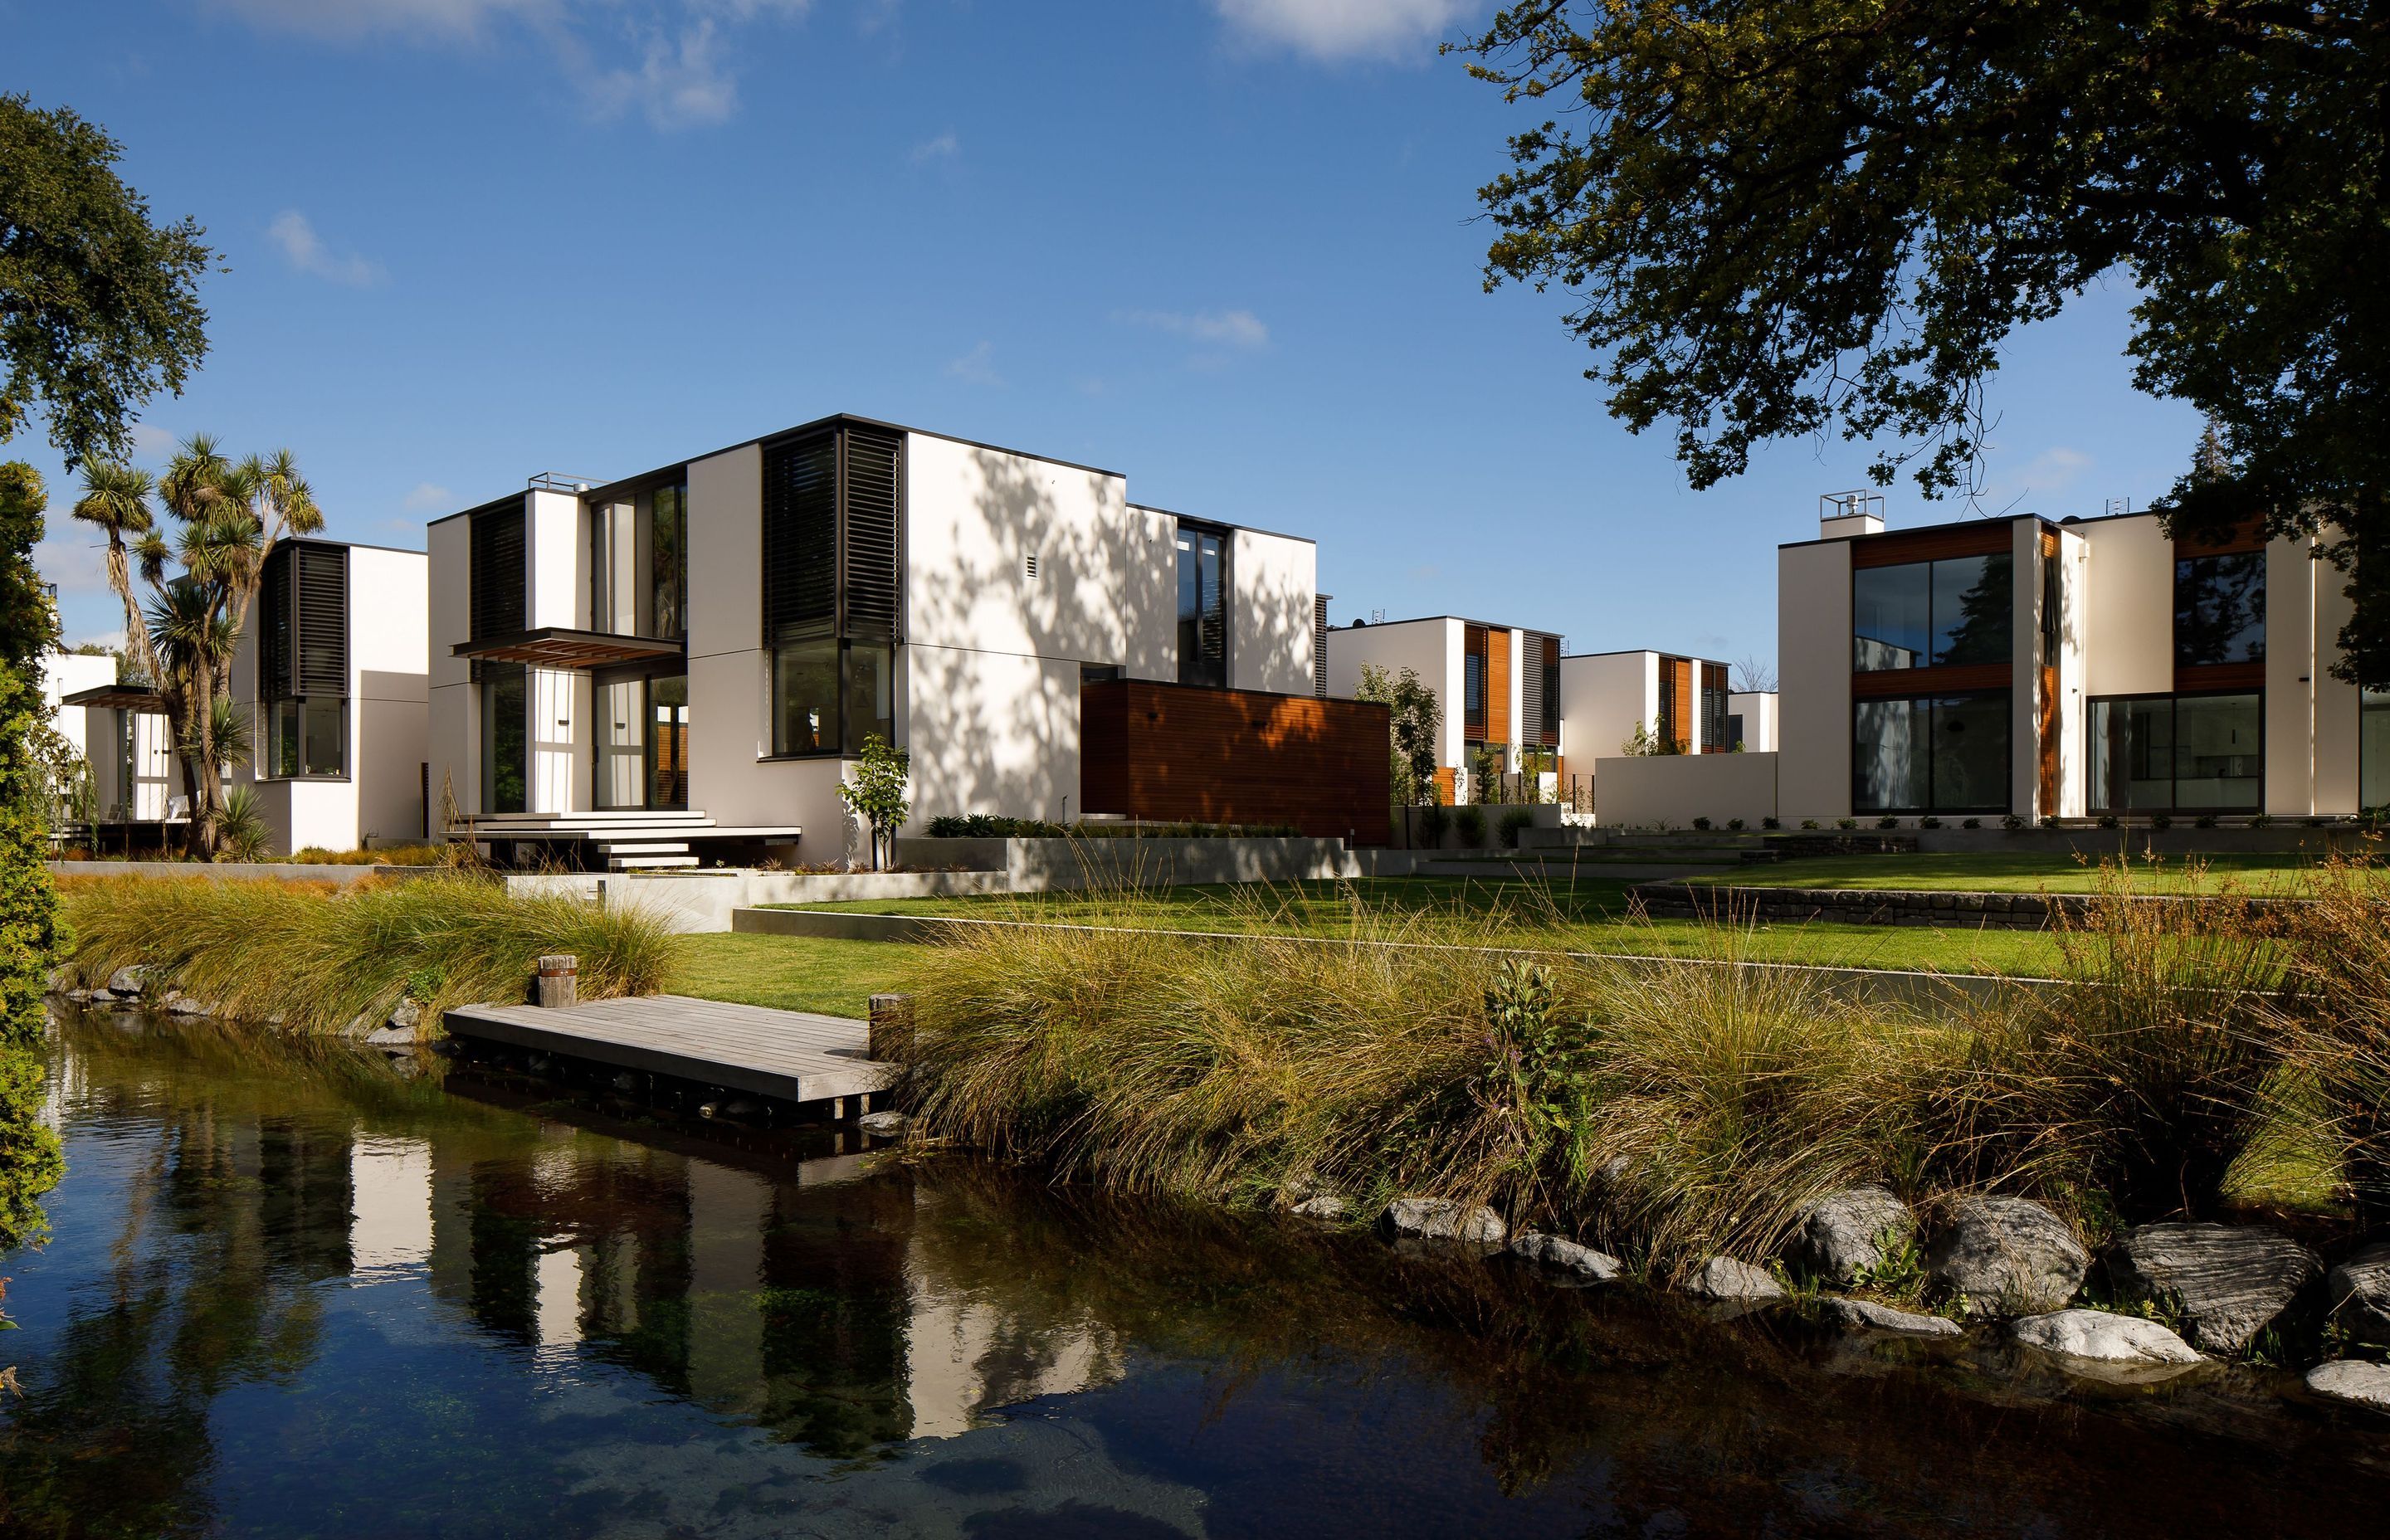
[291, 1292]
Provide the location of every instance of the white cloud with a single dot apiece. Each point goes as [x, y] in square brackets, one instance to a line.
[1344, 29]
[308, 253]
[668, 60]
[944, 146]
[429, 497]
[151, 442]
[1230, 328]
[74, 556]
[678, 84]
[977, 367]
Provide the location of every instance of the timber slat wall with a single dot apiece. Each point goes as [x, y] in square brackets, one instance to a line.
[1498, 687]
[1184, 753]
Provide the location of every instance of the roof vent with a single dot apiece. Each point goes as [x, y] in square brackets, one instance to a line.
[1843, 514]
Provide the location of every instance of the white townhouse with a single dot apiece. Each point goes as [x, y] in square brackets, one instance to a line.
[331, 668]
[683, 665]
[2078, 668]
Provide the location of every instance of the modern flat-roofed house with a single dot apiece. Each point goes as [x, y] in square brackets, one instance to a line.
[136, 784]
[2024, 667]
[1499, 686]
[1678, 701]
[683, 665]
[1750, 717]
[332, 669]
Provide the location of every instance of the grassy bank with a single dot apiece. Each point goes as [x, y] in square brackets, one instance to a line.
[792, 973]
[316, 958]
[1671, 1109]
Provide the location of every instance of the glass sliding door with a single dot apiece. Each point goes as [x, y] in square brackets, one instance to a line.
[621, 770]
[2373, 750]
[668, 741]
[2169, 753]
[505, 738]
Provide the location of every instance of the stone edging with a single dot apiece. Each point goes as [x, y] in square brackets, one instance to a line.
[1989, 911]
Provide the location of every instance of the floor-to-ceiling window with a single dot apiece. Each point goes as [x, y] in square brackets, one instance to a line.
[2220, 609]
[302, 661]
[833, 561]
[639, 569]
[2168, 753]
[2373, 750]
[505, 738]
[1931, 754]
[1202, 605]
[1932, 614]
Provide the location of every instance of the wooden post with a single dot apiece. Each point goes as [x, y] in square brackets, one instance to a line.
[890, 1033]
[559, 981]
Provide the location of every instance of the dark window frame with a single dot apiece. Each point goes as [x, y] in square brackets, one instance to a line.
[2091, 805]
[2184, 564]
[1926, 658]
[866, 608]
[302, 652]
[496, 607]
[1191, 670]
[1933, 804]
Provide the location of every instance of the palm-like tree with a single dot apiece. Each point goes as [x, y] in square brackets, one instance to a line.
[228, 516]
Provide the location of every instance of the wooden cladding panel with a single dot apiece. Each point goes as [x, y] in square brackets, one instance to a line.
[2250, 536]
[1883, 683]
[1498, 687]
[1445, 787]
[1185, 753]
[1677, 710]
[1987, 537]
[2196, 678]
[2047, 763]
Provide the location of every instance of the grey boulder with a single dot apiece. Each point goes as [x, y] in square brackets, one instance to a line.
[1322, 1206]
[2107, 1347]
[128, 980]
[1582, 1261]
[1731, 1281]
[400, 1038]
[2359, 1291]
[179, 1004]
[1441, 1219]
[406, 1013]
[1840, 1235]
[2228, 1280]
[2352, 1381]
[2007, 1255]
[886, 1125]
[1867, 1316]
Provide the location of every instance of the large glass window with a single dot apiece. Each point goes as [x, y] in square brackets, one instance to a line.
[1931, 754]
[1203, 608]
[1926, 615]
[2373, 750]
[667, 561]
[870, 693]
[2220, 609]
[638, 570]
[668, 740]
[505, 738]
[307, 738]
[804, 696]
[2164, 752]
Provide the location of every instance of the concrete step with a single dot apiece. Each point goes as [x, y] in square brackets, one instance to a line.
[649, 863]
[644, 847]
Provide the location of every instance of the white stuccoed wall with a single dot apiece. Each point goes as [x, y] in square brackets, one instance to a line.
[1430, 648]
[1273, 580]
[1603, 695]
[1758, 709]
[390, 712]
[452, 739]
[1813, 665]
[2128, 607]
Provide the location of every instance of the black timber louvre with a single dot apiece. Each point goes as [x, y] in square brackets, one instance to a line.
[278, 618]
[499, 602]
[1319, 645]
[1540, 689]
[833, 509]
[323, 619]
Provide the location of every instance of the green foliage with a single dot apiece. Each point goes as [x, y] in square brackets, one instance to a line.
[876, 792]
[1471, 822]
[1415, 717]
[1513, 820]
[1786, 218]
[1898, 1272]
[28, 906]
[243, 833]
[316, 958]
[1645, 742]
[99, 308]
[1434, 820]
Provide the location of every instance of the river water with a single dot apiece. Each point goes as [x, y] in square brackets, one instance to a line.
[291, 1293]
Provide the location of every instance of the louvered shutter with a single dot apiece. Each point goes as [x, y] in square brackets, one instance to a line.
[801, 539]
[874, 547]
[500, 605]
[322, 619]
[1319, 645]
[276, 616]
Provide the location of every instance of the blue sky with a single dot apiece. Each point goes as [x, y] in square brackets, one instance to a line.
[1226, 247]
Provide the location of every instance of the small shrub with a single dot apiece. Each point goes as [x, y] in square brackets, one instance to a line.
[1846, 823]
[2261, 821]
[2109, 820]
[1513, 821]
[1808, 823]
[1929, 821]
[1888, 821]
[2011, 821]
[1471, 822]
[2206, 820]
[1972, 823]
[2160, 820]
[1702, 822]
[1771, 823]
[2050, 820]
[1735, 824]
[1434, 818]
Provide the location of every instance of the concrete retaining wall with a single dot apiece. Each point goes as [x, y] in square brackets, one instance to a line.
[1676, 788]
[694, 901]
[1903, 906]
[1037, 865]
[234, 871]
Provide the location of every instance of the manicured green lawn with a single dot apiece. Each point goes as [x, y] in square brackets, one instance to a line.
[1585, 915]
[2000, 872]
[790, 973]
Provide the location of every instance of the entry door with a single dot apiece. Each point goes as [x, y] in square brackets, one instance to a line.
[621, 744]
[668, 741]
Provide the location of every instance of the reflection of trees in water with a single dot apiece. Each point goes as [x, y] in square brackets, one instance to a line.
[836, 1313]
[225, 1229]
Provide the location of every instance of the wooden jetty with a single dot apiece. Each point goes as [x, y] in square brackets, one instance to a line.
[792, 1055]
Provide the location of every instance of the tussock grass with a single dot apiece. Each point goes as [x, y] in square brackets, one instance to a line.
[1668, 1107]
[316, 958]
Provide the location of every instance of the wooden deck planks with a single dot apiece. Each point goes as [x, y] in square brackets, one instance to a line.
[796, 1056]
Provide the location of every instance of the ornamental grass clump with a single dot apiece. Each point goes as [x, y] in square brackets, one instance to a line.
[2334, 1023]
[316, 958]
